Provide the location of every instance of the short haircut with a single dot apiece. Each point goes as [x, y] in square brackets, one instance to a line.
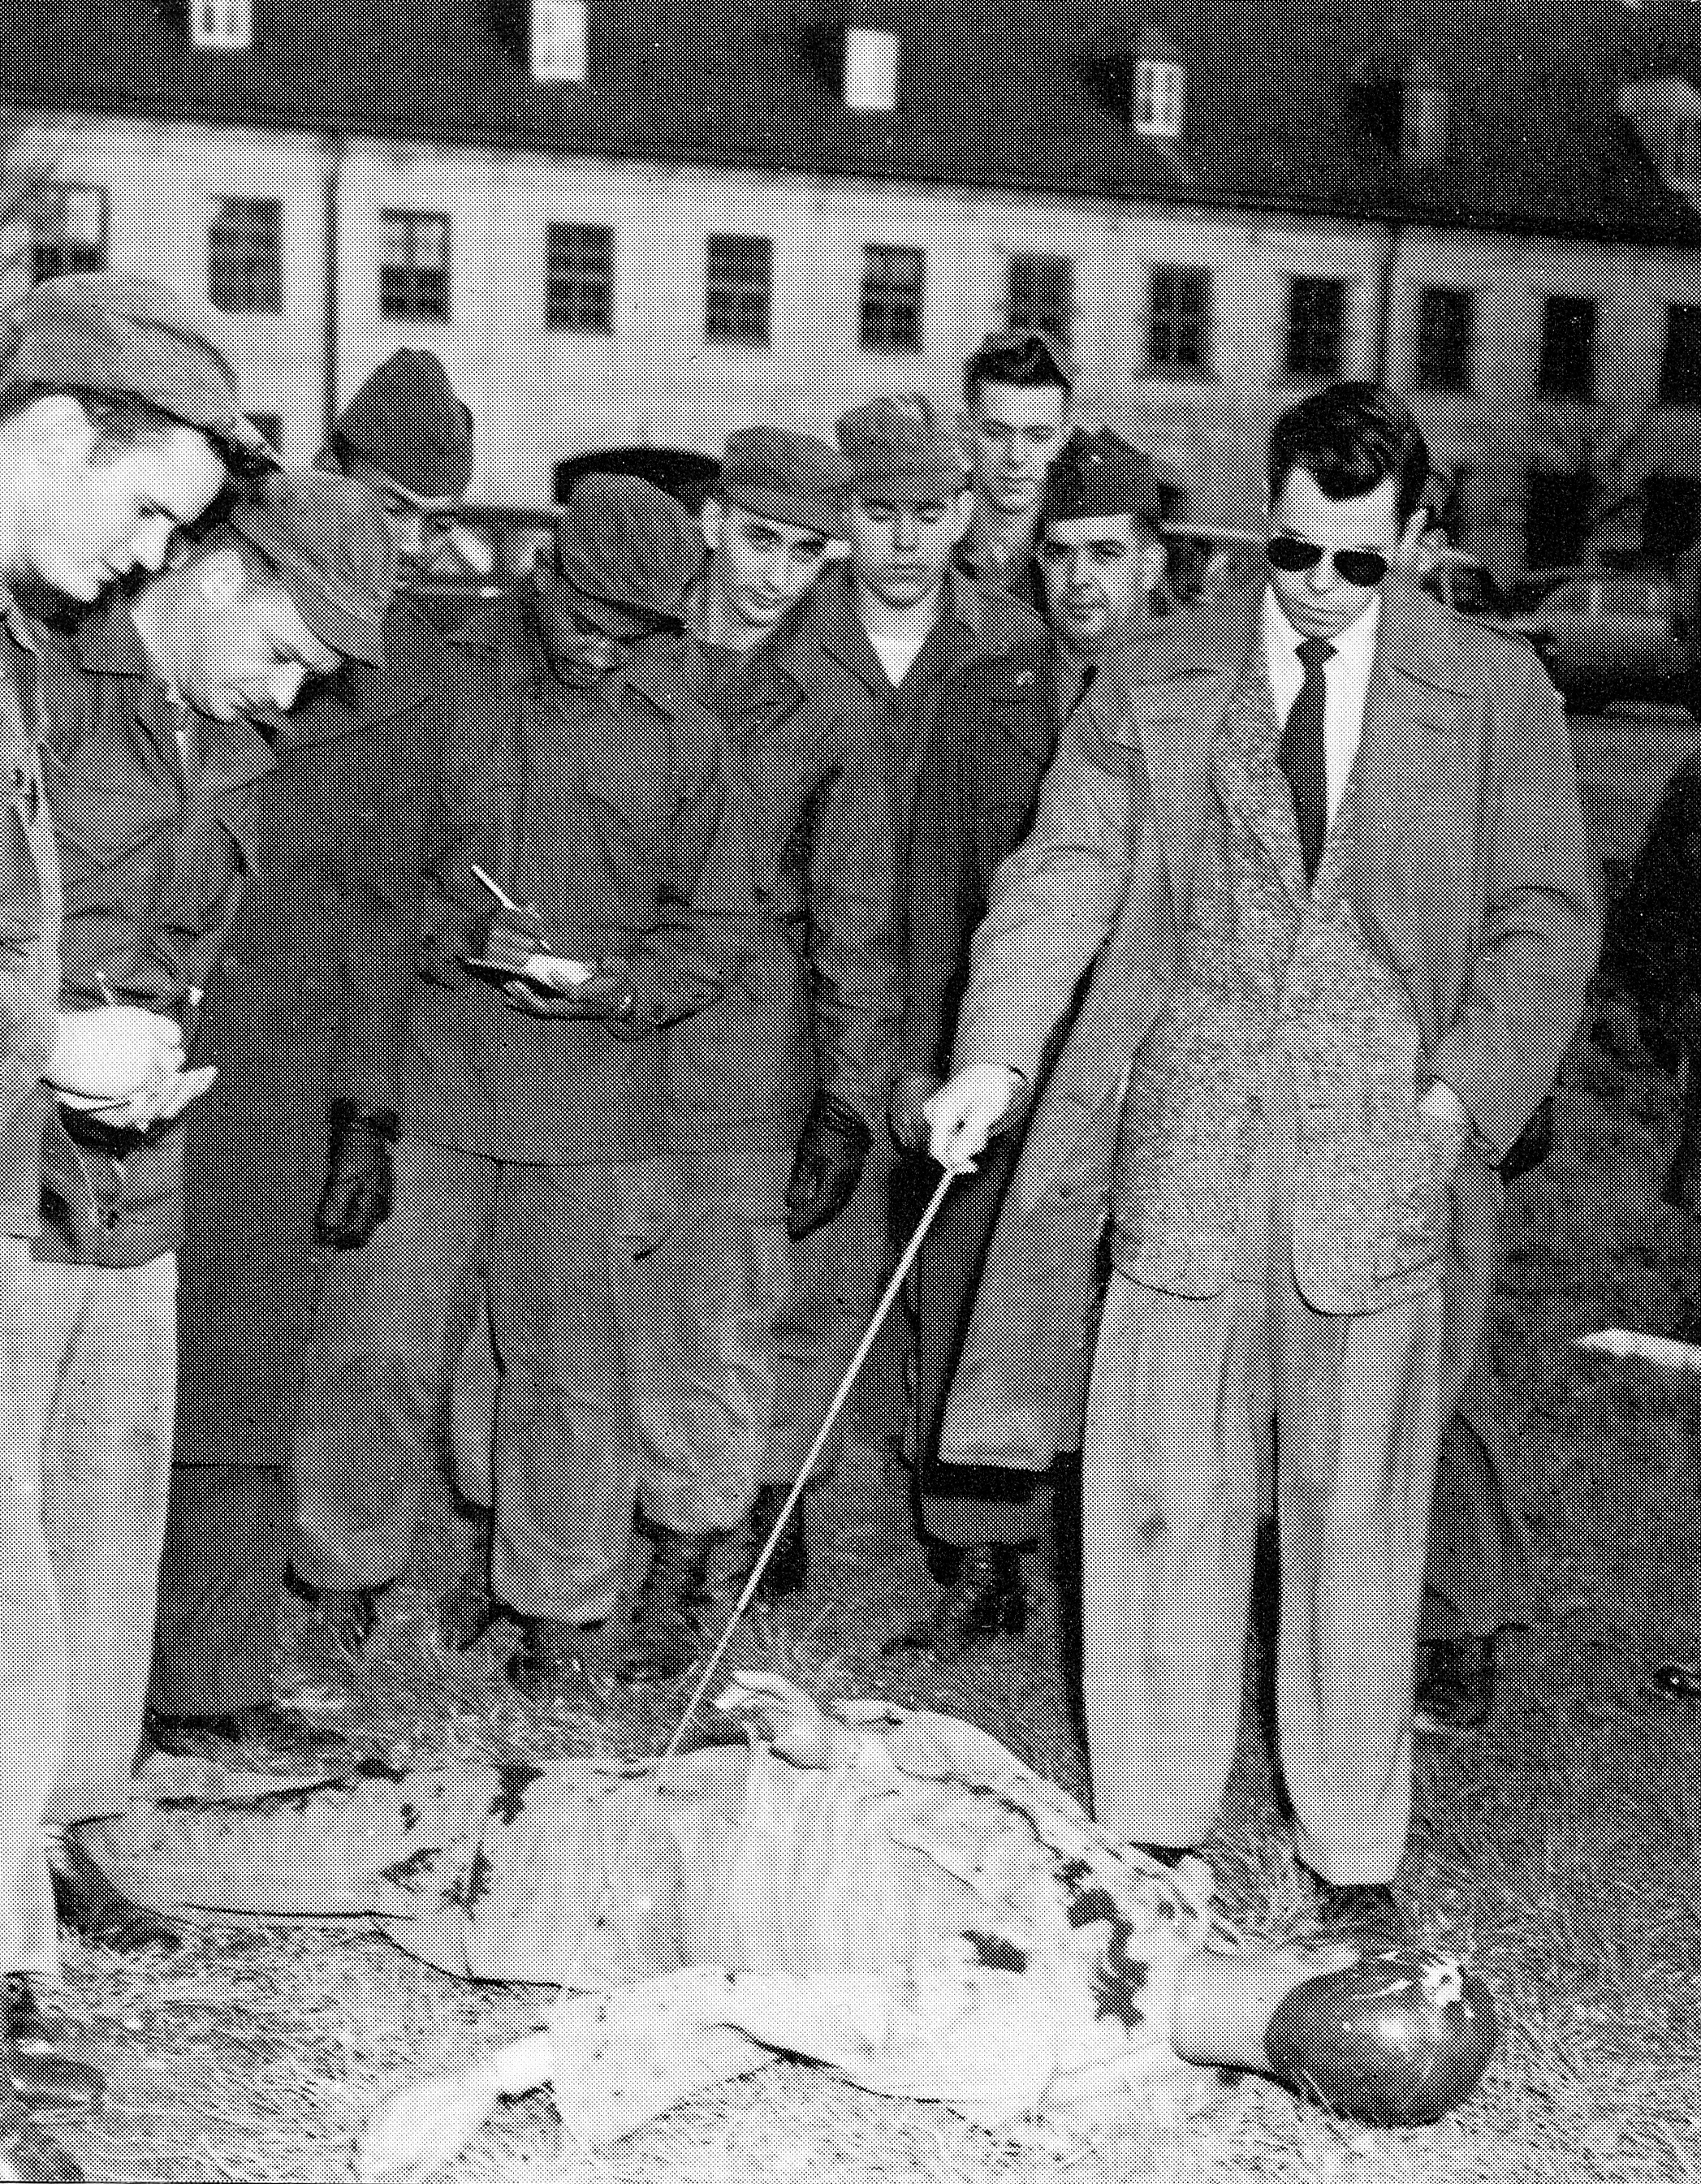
[121, 422]
[1349, 437]
[1021, 360]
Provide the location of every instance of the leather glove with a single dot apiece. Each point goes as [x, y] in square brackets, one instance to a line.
[831, 1154]
[909, 1124]
[633, 995]
[359, 1182]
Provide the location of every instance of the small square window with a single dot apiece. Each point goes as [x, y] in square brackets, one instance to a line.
[891, 312]
[579, 279]
[1679, 373]
[738, 304]
[245, 256]
[413, 266]
[1316, 317]
[871, 71]
[1445, 340]
[221, 23]
[1177, 325]
[70, 234]
[560, 31]
[1042, 299]
[1566, 368]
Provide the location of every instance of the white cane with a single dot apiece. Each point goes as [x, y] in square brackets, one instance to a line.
[820, 1442]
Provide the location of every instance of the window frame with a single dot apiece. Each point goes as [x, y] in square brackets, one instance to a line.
[730, 291]
[402, 301]
[1681, 389]
[1457, 377]
[1168, 362]
[1553, 386]
[871, 59]
[561, 278]
[559, 41]
[260, 268]
[891, 301]
[221, 25]
[1158, 96]
[1022, 318]
[51, 251]
[1299, 361]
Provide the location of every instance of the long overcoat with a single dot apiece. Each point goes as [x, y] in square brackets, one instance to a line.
[1166, 857]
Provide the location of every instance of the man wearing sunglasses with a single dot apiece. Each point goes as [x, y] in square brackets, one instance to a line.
[1326, 1019]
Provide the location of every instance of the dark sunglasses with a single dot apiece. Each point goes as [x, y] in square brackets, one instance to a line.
[1354, 565]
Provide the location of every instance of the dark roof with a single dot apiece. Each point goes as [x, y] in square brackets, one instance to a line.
[1290, 102]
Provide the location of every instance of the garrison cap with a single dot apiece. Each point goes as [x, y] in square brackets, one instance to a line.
[788, 477]
[113, 338]
[897, 451]
[410, 423]
[326, 539]
[628, 552]
[1100, 474]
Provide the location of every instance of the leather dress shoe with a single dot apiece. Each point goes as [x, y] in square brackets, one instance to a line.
[349, 1616]
[1365, 1915]
[40, 2071]
[665, 1633]
[553, 1653]
[987, 1597]
[1456, 1685]
[92, 1909]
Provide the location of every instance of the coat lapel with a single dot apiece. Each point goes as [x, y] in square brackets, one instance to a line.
[1250, 783]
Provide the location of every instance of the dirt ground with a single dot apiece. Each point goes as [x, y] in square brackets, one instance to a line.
[1559, 1849]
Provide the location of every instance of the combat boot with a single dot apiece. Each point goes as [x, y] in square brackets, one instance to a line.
[787, 1567]
[665, 1635]
[987, 1598]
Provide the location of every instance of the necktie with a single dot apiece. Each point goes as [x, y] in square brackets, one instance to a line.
[1080, 697]
[1301, 757]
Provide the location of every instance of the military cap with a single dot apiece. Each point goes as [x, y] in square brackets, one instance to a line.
[409, 422]
[113, 338]
[788, 477]
[326, 539]
[1020, 356]
[1100, 474]
[897, 450]
[628, 552]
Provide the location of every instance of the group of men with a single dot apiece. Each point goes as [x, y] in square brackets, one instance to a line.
[594, 1036]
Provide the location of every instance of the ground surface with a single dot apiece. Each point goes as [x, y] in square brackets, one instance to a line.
[1560, 1848]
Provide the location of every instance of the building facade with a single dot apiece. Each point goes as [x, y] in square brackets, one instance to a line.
[591, 276]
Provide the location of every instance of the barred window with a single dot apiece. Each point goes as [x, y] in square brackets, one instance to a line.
[1042, 299]
[1316, 324]
[245, 256]
[216, 23]
[579, 279]
[70, 234]
[413, 266]
[738, 305]
[891, 315]
[1178, 323]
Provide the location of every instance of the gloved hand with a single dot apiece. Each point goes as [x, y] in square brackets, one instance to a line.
[633, 995]
[360, 1181]
[909, 1124]
[831, 1153]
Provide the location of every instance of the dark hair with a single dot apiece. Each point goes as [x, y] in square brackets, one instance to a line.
[1349, 437]
[1017, 360]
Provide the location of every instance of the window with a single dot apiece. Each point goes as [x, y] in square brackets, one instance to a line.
[871, 71]
[579, 279]
[738, 305]
[1670, 517]
[1042, 299]
[1424, 116]
[1178, 326]
[891, 318]
[70, 234]
[1446, 338]
[413, 266]
[1160, 95]
[1680, 375]
[216, 23]
[1566, 369]
[1316, 310]
[245, 256]
[560, 38]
